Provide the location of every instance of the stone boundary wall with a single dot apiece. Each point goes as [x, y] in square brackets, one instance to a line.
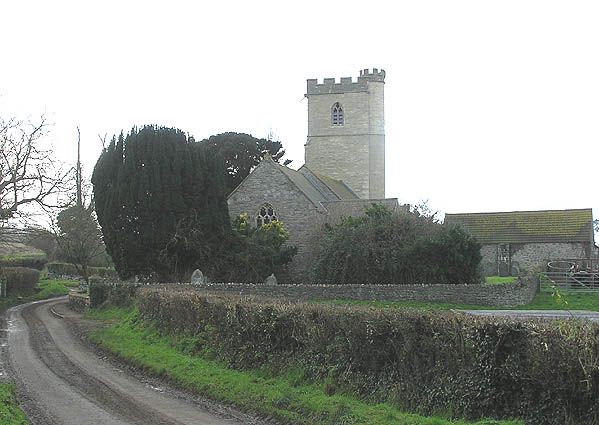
[499, 295]
[79, 302]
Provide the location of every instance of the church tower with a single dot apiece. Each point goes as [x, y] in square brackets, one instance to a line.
[346, 131]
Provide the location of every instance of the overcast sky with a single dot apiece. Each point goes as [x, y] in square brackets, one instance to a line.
[490, 105]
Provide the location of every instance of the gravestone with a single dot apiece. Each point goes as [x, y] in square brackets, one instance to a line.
[271, 280]
[197, 277]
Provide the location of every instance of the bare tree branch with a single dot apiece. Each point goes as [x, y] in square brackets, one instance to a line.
[29, 175]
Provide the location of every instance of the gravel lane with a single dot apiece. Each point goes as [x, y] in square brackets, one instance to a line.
[61, 381]
[593, 316]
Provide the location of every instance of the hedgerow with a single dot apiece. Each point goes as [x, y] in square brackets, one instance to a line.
[20, 280]
[427, 362]
[32, 261]
[117, 294]
[67, 269]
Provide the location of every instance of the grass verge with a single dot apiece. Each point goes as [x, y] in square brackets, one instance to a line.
[289, 398]
[10, 413]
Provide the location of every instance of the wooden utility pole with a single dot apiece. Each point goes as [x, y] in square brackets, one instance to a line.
[79, 196]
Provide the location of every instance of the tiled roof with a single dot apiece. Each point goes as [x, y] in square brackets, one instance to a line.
[527, 226]
[303, 184]
[331, 189]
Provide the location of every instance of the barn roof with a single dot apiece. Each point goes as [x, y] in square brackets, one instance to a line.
[527, 226]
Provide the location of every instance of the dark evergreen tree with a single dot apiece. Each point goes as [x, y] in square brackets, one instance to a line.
[146, 186]
[241, 153]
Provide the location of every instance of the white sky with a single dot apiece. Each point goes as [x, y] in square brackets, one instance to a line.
[490, 105]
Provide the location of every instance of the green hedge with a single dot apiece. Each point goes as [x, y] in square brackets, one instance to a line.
[119, 294]
[32, 261]
[427, 362]
[67, 269]
[20, 280]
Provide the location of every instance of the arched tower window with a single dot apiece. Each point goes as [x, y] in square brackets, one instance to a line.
[266, 214]
[337, 117]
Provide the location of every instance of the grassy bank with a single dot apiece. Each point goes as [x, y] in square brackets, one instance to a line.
[290, 398]
[10, 413]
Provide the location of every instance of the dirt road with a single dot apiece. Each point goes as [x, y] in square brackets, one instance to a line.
[62, 381]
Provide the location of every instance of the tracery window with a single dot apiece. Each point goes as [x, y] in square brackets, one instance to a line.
[266, 214]
[337, 116]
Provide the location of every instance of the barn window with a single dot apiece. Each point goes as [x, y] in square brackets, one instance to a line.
[337, 117]
[266, 214]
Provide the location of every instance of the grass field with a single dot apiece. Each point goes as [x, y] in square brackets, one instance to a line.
[289, 398]
[10, 413]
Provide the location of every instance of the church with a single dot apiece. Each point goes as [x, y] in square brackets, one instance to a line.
[344, 170]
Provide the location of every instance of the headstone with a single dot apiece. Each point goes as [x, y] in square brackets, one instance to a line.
[271, 280]
[197, 277]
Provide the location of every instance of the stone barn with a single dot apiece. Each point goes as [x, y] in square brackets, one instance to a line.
[518, 241]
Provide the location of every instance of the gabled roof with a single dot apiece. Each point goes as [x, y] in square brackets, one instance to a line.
[527, 226]
[331, 189]
[316, 187]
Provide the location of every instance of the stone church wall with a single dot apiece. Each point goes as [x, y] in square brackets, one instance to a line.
[355, 151]
[301, 218]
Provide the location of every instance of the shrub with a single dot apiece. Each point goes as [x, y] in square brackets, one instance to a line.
[255, 252]
[428, 362]
[20, 280]
[61, 269]
[399, 247]
[32, 261]
[119, 294]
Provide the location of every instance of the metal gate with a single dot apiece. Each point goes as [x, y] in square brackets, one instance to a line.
[579, 274]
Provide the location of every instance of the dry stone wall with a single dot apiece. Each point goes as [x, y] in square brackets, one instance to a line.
[503, 295]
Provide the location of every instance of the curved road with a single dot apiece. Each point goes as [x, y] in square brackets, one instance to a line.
[61, 381]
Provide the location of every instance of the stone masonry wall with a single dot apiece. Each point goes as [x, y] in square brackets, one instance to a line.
[535, 255]
[355, 151]
[505, 295]
[532, 256]
[301, 218]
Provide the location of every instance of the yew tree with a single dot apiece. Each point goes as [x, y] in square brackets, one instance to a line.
[147, 183]
[242, 152]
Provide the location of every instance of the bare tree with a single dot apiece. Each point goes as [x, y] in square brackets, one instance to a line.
[29, 174]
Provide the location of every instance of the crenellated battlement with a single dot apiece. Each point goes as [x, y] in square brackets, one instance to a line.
[375, 75]
[346, 84]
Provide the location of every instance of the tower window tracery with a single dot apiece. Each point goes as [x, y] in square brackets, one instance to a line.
[266, 214]
[337, 115]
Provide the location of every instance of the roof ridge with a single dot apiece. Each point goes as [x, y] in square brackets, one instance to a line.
[521, 211]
